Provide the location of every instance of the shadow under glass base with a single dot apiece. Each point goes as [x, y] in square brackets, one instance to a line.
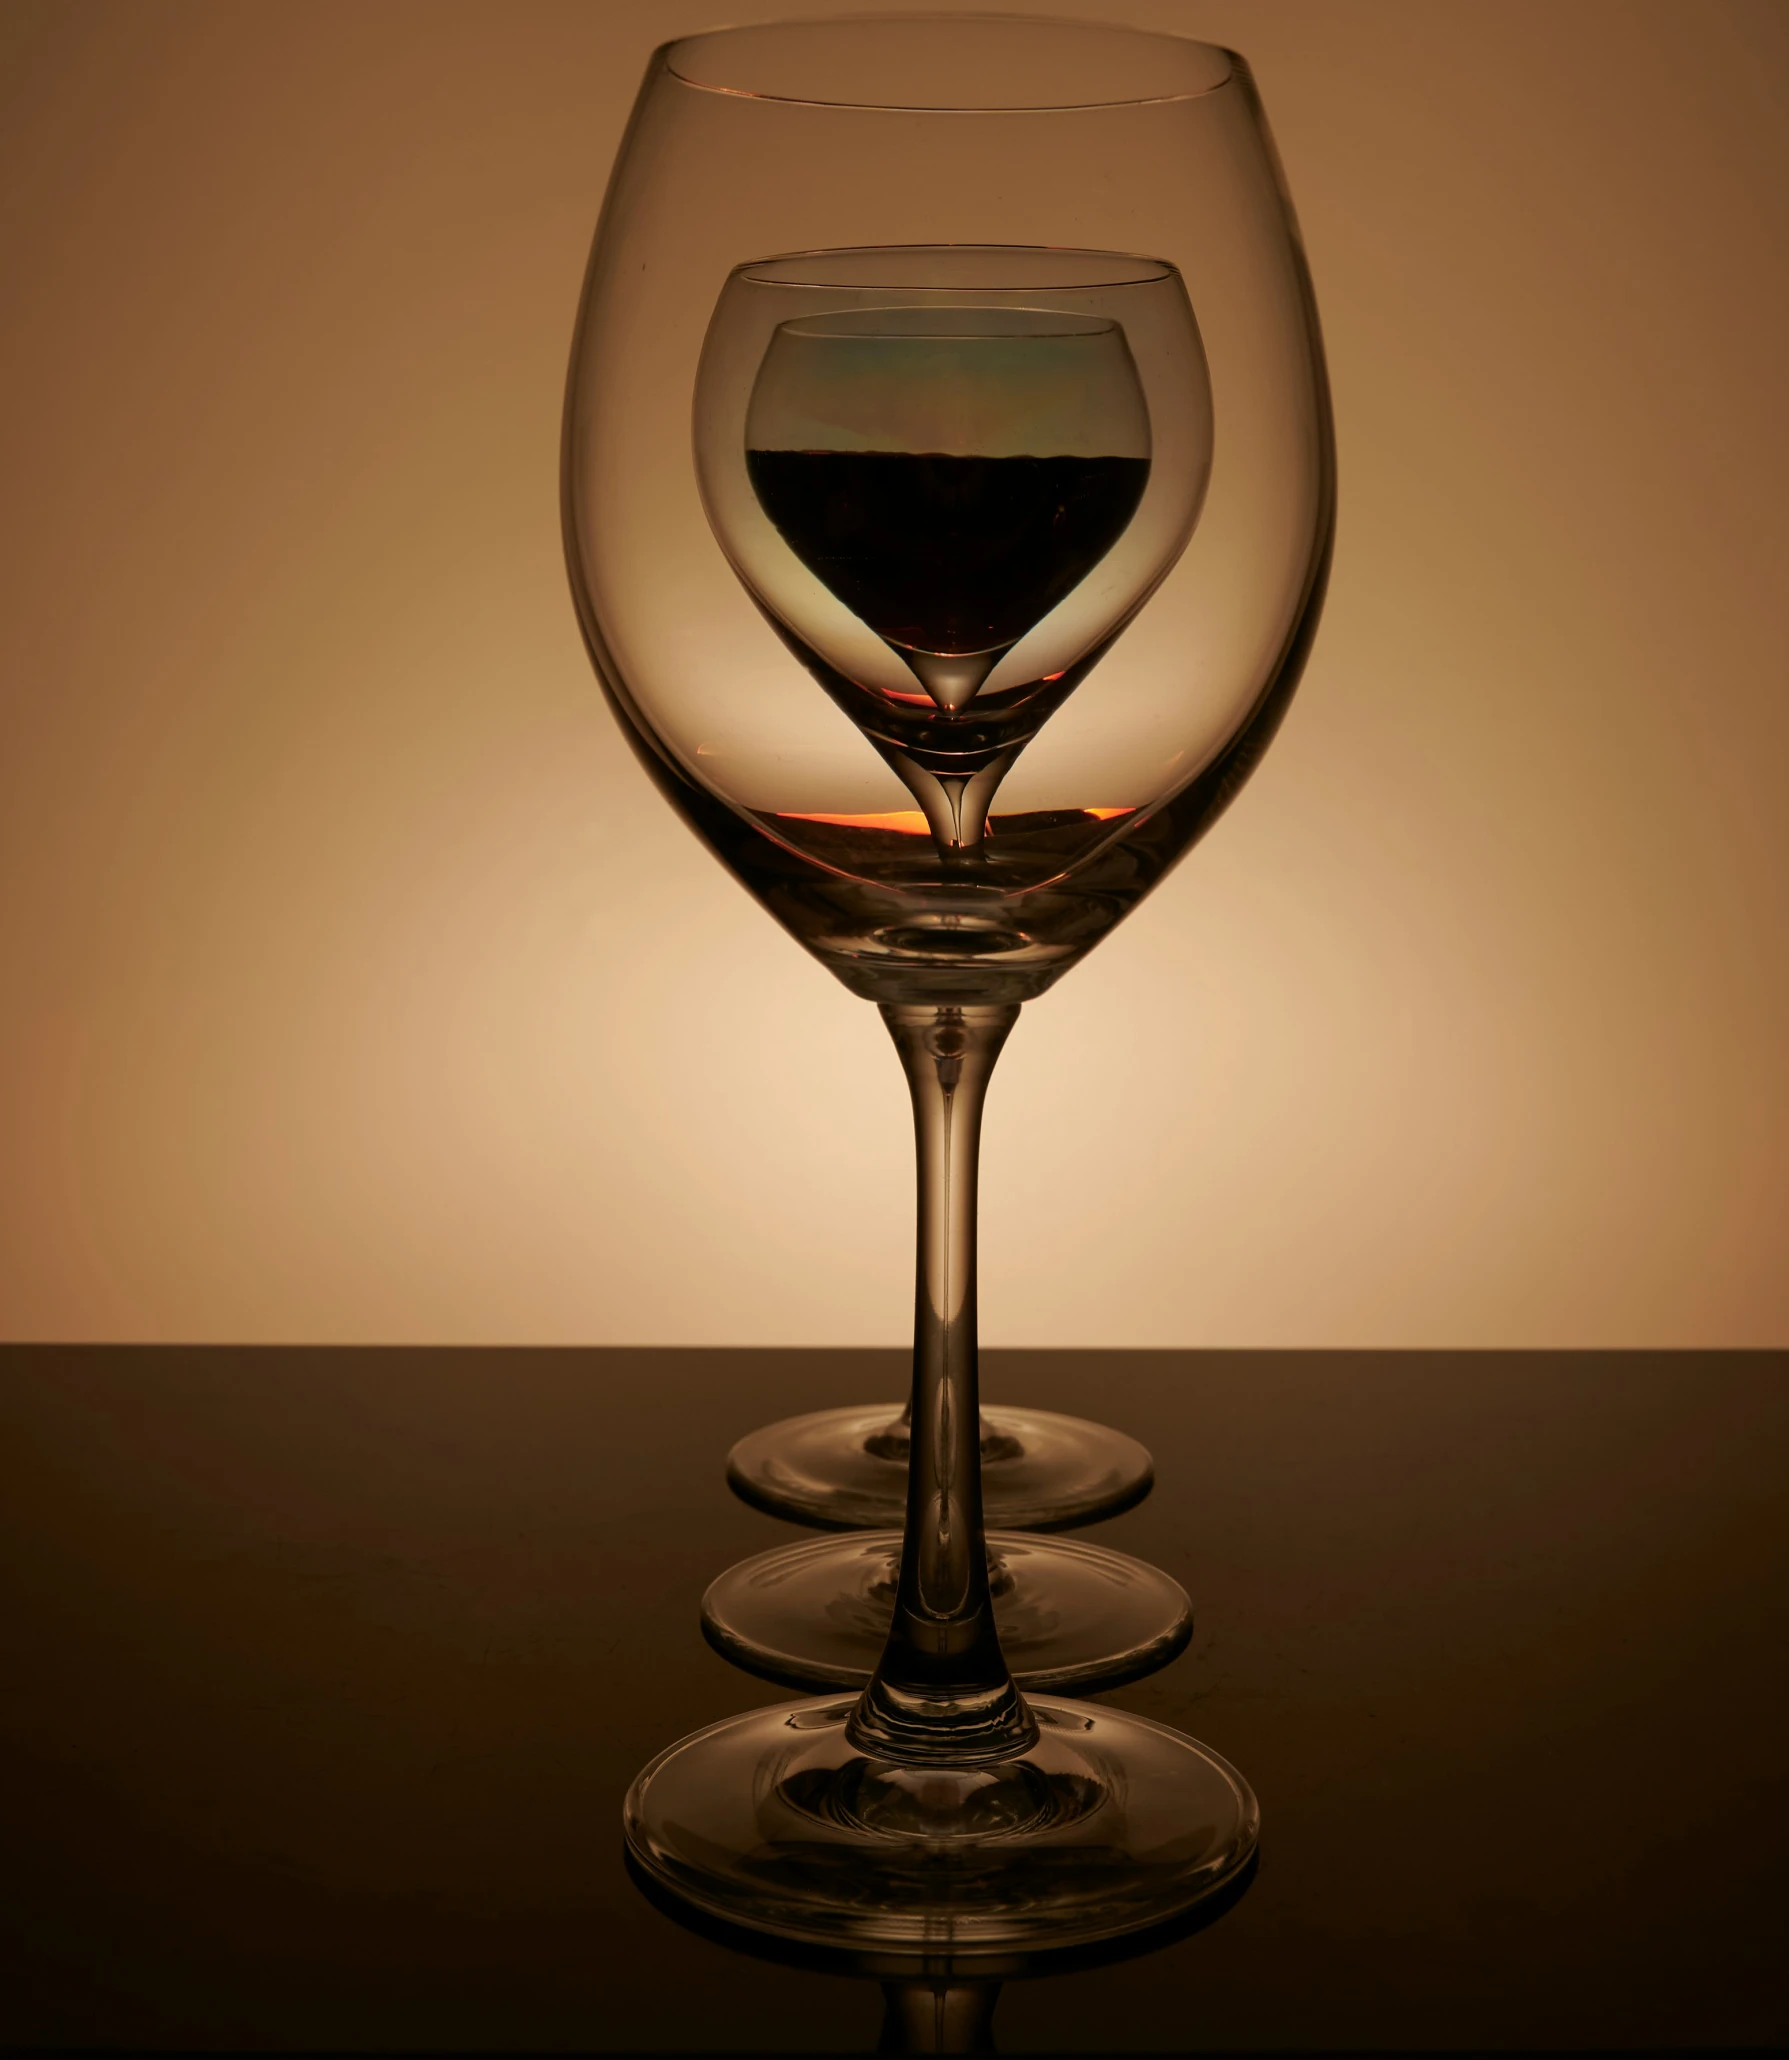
[846, 1469]
[1071, 1616]
[1108, 1825]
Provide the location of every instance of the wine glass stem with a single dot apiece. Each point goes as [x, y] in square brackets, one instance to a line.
[955, 805]
[942, 1690]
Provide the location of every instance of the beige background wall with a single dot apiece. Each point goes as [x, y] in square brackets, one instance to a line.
[356, 986]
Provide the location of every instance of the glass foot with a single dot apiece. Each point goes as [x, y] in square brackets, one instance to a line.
[1070, 1616]
[1110, 1824]
[846, 1469]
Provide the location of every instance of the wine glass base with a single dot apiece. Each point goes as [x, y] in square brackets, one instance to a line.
[1072, 1617]
[1110, 1824]
[846, 1469]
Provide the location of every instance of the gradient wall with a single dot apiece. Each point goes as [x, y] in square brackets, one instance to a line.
[356, 985]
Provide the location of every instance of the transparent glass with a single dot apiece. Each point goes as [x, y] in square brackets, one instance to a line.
[939, 2002]
[1148, 745]
[846, 1469]
[818, 136]
[949, 476]
[817, 1614]
[948, 493]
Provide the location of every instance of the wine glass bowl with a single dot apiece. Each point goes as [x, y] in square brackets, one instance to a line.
[969, 179]
[935, 469]
[953, 522]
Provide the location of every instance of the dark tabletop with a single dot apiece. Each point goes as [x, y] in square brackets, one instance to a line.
[325, 1672]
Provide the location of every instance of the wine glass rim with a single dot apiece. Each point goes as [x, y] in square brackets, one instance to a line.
[667, 56]
[856, 325]
[1128, 268]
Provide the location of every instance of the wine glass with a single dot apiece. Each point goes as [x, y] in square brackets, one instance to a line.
[965, 382]
[918, 459]
[881, 273]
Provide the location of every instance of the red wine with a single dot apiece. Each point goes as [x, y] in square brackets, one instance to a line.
[944, 554]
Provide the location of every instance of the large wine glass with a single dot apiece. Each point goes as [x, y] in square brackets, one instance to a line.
[948, 492]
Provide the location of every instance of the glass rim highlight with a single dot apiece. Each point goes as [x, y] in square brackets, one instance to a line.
[1111, 270]
[676, 57]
